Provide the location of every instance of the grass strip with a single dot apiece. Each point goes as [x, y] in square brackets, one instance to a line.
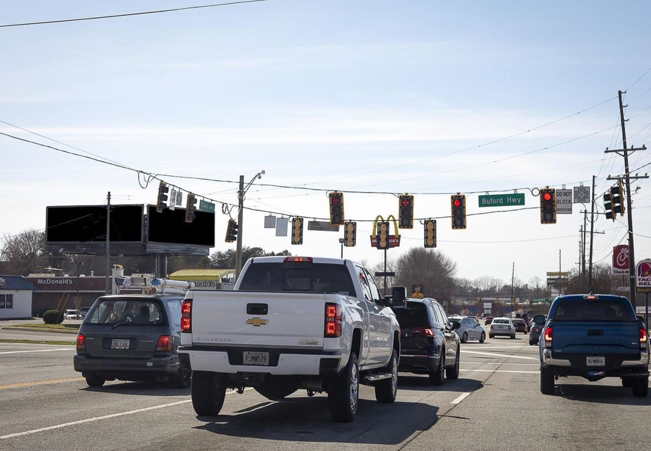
[38, 342]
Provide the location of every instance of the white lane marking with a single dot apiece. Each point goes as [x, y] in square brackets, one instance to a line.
[105, 417]
[38, 350]
[503, 363]
[460, 398]
[493, 354]
[498, 371]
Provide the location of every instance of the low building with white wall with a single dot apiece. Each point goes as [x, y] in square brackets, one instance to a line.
[15, 297]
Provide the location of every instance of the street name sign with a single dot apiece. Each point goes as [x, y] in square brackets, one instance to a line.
[206, 206]
[564, 201]
[322, 226]
[502, 200]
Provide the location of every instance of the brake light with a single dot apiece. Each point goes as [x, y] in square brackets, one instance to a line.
[164, 343]
[298, 259]
[548, 337]
[423, 331]
[186, 316]
[332, 320]
[81, 342]
[591, 297]
[643, 335]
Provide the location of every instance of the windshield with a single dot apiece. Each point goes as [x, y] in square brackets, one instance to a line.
[315, 278]
[126, 311]
[594, 310]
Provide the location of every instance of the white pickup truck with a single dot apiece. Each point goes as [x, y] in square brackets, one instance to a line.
[292, 323]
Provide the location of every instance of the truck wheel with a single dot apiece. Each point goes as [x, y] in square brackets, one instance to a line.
[94, 381]
[640, 386]
[183, 378]
[627, 382]
[438, 376]
[387, 389]
[343, 396]
[208, 393]
[546, 380]
[453, 373]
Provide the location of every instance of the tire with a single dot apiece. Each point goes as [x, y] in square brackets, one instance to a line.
[183, 379]
[343, 396]
[387, 389]
[438, 377]
[530, 343]
[453, 373]
[490, 336]
[546, 381]
[640, 386]
[464, 337]
[482, 338]
[94, 381]
[627, 382]
[513, 337]
[208, 393]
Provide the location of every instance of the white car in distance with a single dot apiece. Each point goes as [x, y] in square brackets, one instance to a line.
[502, 326]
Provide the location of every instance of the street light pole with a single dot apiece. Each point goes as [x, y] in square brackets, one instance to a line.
[341, 241]
[240, 220]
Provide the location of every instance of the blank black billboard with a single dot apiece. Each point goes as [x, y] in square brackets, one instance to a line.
[88, 223]
[170, 227]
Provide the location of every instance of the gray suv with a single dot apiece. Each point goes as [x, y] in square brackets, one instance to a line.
[131, 337]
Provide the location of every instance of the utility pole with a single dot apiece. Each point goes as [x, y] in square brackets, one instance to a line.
[512, 295]
[585, 227]
[627, 178]
[240, 220]
[581, 256]
[107, 288]
[560, 288]
[591, 234]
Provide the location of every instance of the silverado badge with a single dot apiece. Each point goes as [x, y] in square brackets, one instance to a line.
[257, 322]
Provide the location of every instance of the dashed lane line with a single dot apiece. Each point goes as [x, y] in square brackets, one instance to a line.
[502, 371]
[460, 398]
[494, 354]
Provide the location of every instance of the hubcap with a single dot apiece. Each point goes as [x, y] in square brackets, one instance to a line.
[442, 365]
[354, 387]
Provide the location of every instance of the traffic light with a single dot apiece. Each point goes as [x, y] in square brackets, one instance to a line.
[190, 208]
[430, 233]
[458, 205]
[383, 235]
[297, 231]
[231, 231]
[161, 204]
[336, 200]
[616, 198]
[406, 212]
[548, 206]
[608, 205]
[350, 234]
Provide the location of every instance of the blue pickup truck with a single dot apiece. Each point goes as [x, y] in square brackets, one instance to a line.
[594, 336]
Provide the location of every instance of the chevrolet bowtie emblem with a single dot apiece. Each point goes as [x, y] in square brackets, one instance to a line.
[257, 322]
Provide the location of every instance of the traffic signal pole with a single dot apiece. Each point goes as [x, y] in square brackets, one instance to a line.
[107, 288]
[240, 223]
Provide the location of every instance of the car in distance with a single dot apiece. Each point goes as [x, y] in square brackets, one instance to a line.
[537, 324]
[428, 344]
[488, 320]
[469, 328]
[132, 338]
[71, 313]
[502, 326]
[520, 325]
[594, 336]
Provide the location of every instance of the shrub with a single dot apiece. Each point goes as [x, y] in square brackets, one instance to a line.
[53, 317]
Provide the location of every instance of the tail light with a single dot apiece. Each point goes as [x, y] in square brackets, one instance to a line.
[81, 342]
[164, 343]
[332, 320]
[186, 316]
[427, 332]
[548, 337]
[298, 259]
[643, 337]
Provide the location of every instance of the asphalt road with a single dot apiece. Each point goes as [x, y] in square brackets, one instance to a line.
[495, 405]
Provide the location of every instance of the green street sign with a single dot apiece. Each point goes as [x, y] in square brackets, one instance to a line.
[206, 206]
[502, 200]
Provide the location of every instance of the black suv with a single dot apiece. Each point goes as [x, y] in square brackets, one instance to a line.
[131, 337]
[428, 343]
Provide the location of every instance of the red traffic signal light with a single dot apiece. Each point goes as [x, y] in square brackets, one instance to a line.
[458, 204]
[548, 206]
[406, 212]
[336, 200]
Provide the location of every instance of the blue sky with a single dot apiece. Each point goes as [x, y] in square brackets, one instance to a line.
[347, 95]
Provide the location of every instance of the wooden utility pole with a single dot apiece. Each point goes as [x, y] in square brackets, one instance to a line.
[591, 236]
[107, 287]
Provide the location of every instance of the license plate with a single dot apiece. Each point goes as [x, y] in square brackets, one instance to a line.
[120, 343]
[500, 327]
[595, 361]
[256, 358]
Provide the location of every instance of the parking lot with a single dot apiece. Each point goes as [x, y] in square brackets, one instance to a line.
[495, 404]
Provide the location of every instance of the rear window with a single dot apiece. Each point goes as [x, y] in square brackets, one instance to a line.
[313, 277]
[126, 312]
[415, 315]
[594, 310]
[501, 321]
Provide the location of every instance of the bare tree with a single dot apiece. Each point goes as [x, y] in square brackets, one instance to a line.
[25, 253]
[603, 281]
[432, 269]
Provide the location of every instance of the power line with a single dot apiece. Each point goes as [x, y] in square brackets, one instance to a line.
[641, 77]
[141, 13]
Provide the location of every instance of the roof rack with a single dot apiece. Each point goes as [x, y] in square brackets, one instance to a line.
[153, 285]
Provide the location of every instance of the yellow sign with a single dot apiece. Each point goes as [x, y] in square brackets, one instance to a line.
[257, 322]
[417, 295]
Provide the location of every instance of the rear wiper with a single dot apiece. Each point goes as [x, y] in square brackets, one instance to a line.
[116, 325]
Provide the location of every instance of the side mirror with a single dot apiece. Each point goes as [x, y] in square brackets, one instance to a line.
[399, 295]
[455, 324]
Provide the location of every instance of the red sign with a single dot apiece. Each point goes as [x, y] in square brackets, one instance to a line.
[394, 241]
[620, 259]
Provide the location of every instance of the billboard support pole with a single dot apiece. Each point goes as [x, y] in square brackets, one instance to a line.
[107, 288]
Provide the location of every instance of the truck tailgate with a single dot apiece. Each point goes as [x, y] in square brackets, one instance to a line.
[596, 337]
[247, 318]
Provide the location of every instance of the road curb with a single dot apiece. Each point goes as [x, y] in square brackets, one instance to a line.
[36, 329]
